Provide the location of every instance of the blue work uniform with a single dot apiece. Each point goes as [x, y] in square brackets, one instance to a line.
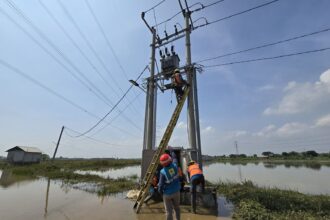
[169, 182]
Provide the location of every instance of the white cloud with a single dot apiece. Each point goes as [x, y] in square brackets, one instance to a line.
[181, 124]
[325, 77]
[266, 88]
[266, 131]
[208, 129]
[303, 97]
[290, 85]
[323, 121]
[292, 128]
[240, 133]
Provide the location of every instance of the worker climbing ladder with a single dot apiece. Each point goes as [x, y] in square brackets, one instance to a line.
[146, 183]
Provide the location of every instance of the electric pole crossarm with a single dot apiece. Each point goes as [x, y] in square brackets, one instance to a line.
[144, 20]
[170, 41]
[170, 36]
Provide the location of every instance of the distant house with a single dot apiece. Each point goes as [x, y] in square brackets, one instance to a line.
[20, 154]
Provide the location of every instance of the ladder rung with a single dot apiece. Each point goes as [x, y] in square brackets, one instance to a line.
[163, 143]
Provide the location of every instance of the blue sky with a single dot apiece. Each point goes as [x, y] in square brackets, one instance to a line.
[277, 105]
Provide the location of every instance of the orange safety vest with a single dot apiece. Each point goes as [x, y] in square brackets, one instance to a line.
[194, 170]
[180, 172]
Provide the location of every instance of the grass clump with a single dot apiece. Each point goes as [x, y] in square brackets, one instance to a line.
[254, 202]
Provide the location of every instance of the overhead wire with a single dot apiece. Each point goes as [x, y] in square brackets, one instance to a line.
[87, 83]
[91, 138]
[111, 110]
[117, 116]
[153, 7]
[106, 38]
[109, 45]
[266, 45]
[83, 36]
[238, 13]
[179, 12]
[70, 17]
[268, 58]
[51, 15]
[212, 4]
[53, 92]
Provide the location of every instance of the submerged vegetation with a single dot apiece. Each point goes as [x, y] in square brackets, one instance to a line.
[253, 202]
[65, 170]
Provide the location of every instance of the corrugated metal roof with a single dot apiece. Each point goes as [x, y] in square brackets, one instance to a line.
[26, 149]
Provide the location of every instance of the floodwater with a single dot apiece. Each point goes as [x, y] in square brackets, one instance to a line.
[114, 173]
[52, 200]
[306, 178]
[26, 198]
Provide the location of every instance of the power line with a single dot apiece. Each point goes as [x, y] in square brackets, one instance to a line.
[155, 6]
[31, 79]
[19, 12]
[93, 139]
[83, 36]
[53, 92]
[111, 110]
[214, 3]
[69, 16]
[265, 45]
[238, 13]
[115, 117]
[108, 44]
[268, 58]
[74, 43]
[106, 38]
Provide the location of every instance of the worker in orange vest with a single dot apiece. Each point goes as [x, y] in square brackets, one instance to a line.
[178, 82]
[196, 177]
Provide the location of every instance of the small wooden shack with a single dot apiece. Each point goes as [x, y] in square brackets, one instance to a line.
[20, 154]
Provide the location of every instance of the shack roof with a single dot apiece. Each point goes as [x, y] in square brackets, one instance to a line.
[25, 149]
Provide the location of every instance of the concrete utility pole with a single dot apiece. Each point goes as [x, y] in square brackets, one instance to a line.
[149, 139]
[58, 142]
[169, 62]
[192, 107]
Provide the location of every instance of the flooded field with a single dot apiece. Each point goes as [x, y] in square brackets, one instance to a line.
[114, 173]
[305, 178]
[34, 200]
[39, 198]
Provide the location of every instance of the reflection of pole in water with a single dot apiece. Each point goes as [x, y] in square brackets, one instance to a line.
[47, 196]
[240, 172]
[239, 165]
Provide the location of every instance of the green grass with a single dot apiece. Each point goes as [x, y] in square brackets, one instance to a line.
[252, 202]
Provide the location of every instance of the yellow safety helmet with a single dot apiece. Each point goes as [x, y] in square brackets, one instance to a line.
[191, 162]
[177, 70]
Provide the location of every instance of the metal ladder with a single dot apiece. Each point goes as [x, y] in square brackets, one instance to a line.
[146, 183]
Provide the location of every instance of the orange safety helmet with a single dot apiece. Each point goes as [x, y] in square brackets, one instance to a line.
[165, 160]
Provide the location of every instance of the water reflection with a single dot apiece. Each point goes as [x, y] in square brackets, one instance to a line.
[114, 173]
[47, 196]
[42, 199]
[9, 179]
[304, 177]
